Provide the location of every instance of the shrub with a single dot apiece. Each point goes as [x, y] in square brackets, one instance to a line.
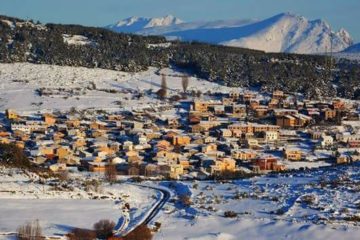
[230, 214]
[104, 229]
[142, 232]
[308, 199]
[81, 234]
[11, 155]
[63, 176]
[352, 218]
[185, 200]
[157, 226]
[92, 185]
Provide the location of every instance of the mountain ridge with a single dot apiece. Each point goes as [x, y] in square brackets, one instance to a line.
[353, 49]
[285, 32]
[131, 24]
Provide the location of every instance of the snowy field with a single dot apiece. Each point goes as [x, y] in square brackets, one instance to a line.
[85, 88]
[61, 207]
[316, 204]
[56, 216]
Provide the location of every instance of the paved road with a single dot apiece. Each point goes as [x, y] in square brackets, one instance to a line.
[165, 196]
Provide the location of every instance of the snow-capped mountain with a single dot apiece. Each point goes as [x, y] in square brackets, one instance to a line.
[135, 24]
[285, 32]
[353, 49]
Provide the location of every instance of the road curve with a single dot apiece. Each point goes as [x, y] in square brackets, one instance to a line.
[165, 196]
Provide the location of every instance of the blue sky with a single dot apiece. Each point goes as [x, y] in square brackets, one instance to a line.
[339, 13]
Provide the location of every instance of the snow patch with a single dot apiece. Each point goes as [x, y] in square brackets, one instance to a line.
[77, 40]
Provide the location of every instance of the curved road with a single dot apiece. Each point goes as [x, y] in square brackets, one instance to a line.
[165, 196]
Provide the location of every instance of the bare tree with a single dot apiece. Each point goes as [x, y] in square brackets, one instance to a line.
[185, 82]
[30, 231]
[162, 93]
[110, 173]
[63, 176]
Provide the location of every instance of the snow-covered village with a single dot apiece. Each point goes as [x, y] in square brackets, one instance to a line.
[158, 128]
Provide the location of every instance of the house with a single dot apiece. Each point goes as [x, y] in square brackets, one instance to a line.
[267, 164]
[283, 112]
[200, 106]
[343, 159]
[223, 165]
[97, 125]
[326, 141]
[293, 121]
[247, 96]
[128, 146]
[315, 135]
[243, 154]
[11, 114]
[219, 109]
[234, 95]
[163, 145]
[49, 119]
[57, 167]
[62, 152]
[197, 128]
[293, 154]
[212, 147]
[251, 128]
[172, 123]
[28, 127]
[181, 140]
[328, 114]
[167, 156]
[261, 111]
[254, 104]
[225, 133]
[133, 157]
[239, 110]
[278, 94]
[271, 136]
[252, 143]
[73, 123]
[176, 170]
[347, 137]
[200, 128]
[338, 104]
[274, 103]
[209, 140]
[47, 150]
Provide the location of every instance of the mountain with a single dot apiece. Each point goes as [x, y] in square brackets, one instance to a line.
[285, 32]
[353, 49]
[135, 24]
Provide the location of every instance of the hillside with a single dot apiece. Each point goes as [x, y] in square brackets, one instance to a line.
[285, 32]
[353, 49]
[72, 45]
